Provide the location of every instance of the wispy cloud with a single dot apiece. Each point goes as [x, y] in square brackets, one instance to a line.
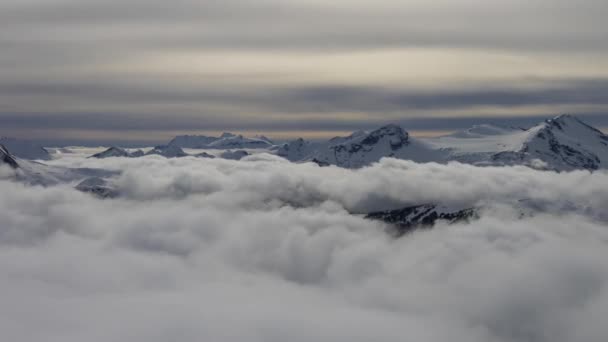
[235, 62]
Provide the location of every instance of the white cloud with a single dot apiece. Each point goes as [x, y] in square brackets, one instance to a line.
[264, 250]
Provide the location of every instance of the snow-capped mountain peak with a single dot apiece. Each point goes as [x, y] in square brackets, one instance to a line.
[192, 141]
[566, 143]
[361, 149]
[561, 143]
[297, 150]
[168, 151]
[395, 136]
[117, 152]
[224, 141]
[230, 141]
[264, 138]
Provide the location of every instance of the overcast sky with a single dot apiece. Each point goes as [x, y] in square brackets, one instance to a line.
[146, 70]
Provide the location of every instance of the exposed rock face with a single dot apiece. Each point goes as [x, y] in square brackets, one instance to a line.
[7, 159]
[225, 141]
[362, 149]
[563, 143]
[566, 143]
[168, 151]
[112, 152]
[421, 216]
[239, 141]
[234, 155]
[205, 155]
[296, 150]
[98, 187]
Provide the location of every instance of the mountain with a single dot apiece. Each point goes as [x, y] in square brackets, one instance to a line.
[240, 142]
[234, 155]
[297, 150]
[98, 187]
[264, 138]
[361, 148]
[422, 216]
[566, 143]
[36, 173]
[204, 155]
[25, 149]
[562, 143]
[192, 141]
[224, 141]
[7, 159]
[117, 152]
[168, 151]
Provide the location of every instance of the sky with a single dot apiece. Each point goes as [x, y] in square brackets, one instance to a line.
[144, 71]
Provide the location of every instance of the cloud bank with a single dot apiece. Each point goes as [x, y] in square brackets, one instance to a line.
[265, 250]
[241, 64]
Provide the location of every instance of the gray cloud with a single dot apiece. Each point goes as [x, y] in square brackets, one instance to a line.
[214, 106]
[56, 56]
[287, 24]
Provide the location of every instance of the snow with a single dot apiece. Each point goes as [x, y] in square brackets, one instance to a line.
[37, 173]
[224, 141]
[168, 151]
[567, 143]
[239, 141]
[117, 152]
[297, 150]
[561, 143]
[192, 141]
[481, 139]
[361, 149]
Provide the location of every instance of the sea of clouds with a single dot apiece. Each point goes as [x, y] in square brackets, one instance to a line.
[266, 250]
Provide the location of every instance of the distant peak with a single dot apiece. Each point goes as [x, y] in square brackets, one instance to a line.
[115, 148]
[263, 137]
[227, 135]
[397, 135]
[390, 129]
[563, 118]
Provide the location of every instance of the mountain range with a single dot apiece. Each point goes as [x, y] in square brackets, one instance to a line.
[224, 141]
[562, 143]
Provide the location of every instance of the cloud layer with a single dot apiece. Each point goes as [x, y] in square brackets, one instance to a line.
[247, 66]
[266, 250]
